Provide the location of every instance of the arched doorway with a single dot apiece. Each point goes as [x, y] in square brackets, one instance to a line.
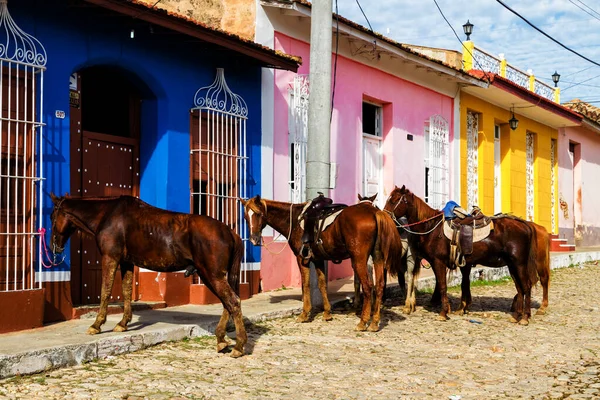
[106, 104]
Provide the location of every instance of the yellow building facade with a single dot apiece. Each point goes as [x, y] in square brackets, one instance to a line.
[505, 170]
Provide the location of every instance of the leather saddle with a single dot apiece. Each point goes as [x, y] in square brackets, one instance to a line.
[465, 229]
[314, 218]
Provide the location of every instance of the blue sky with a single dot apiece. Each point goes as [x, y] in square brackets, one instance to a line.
[497, 30]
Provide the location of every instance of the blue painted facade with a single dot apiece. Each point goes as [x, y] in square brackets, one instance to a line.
[167, 71]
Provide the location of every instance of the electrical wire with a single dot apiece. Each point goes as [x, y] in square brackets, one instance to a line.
[579, 83]
[545, 34]
[584, 10]
[588, 7]
[363, 13]
[337, 41]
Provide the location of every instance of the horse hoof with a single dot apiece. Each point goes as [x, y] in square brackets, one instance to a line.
[524, 322]
[460, 312]
[360, 327]
[443, 318]
[235, 353]
[513, 319]
[302, 318]
[541, 311]
[222, 346]
[373, 327]
[406, 310]
[93, 331]
[327, 316]
[119, 328]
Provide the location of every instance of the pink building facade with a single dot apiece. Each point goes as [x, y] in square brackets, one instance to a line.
[393, 123]
[578, 171]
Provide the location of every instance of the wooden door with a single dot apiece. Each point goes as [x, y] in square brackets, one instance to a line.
[103, 164]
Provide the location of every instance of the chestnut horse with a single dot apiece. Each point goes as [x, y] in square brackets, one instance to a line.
[360, 231]
[512, 242]
[410, 267]
[131, 232]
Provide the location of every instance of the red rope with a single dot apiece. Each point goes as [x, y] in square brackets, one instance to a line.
[45, 252]
[425, 220]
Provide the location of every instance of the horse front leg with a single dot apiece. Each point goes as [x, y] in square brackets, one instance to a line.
[465, 290]
[109, 268]
[322, 282]
[412, 273]
[127, 289]
[305, 277]
[439, 269]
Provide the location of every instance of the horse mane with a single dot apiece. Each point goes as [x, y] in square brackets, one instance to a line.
[423, 209]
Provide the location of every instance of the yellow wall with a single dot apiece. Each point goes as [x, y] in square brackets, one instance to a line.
[512, 144]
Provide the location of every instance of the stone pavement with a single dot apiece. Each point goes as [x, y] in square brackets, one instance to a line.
[66, 343]
[477, 356]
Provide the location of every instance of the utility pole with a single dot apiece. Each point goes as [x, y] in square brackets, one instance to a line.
[319, 114]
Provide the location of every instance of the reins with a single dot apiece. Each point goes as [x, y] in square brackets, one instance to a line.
[287, 242]
[404, 226]
[44, 246]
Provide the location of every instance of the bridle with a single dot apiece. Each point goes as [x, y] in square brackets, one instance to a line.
[405, 226]
[266, 245]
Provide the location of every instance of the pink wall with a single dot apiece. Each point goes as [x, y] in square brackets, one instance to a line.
[578, 186]
[406, 108]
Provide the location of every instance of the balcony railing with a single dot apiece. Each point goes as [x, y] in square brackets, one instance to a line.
[479, 59]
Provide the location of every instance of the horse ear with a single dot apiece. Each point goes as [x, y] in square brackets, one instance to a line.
[403, 188]
[359, 197]
[258, 197]
[53, 197]
[242, 201]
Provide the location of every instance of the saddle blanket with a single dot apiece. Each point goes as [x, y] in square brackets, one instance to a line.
[478, 234]
[328, 221]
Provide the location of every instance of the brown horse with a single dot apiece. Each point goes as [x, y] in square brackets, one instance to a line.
[512, 242]
[359, 232]
[131, 232]
[410, 267]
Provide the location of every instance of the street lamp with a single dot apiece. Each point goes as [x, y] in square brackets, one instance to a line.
[555, 78]
[513, 122]
[468, 29]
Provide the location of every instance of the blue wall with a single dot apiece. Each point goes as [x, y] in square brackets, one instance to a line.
[172, 71]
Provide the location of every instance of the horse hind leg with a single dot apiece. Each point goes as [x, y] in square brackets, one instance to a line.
[127, 289]
[465, 290]
[379, 288]
[545, 281]
[360, 268]
[220, 332]
[109, 268]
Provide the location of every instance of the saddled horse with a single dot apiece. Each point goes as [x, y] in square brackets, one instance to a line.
[131, 232]
[512, 242]
[410, 266]
[360, 231]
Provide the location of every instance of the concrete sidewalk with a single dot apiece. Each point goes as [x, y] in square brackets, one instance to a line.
[66, 343]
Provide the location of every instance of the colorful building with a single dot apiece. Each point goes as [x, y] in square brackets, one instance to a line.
[578, 169]
[116, 97]
[510, 141]
[394, 121]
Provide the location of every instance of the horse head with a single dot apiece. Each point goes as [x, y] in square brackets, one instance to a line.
[255, 212]
[62, 226]
[365, 198]
[398, 202]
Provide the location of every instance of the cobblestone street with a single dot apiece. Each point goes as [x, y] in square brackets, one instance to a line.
[477, 356]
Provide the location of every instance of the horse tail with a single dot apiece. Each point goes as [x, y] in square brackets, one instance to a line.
[233, 274]
[533, 255]
[389, 243]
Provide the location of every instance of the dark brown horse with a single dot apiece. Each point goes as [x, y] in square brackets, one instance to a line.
[512, 242]
[359, 232]
[130, 232]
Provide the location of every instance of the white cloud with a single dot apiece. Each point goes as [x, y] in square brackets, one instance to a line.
[497, 30]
